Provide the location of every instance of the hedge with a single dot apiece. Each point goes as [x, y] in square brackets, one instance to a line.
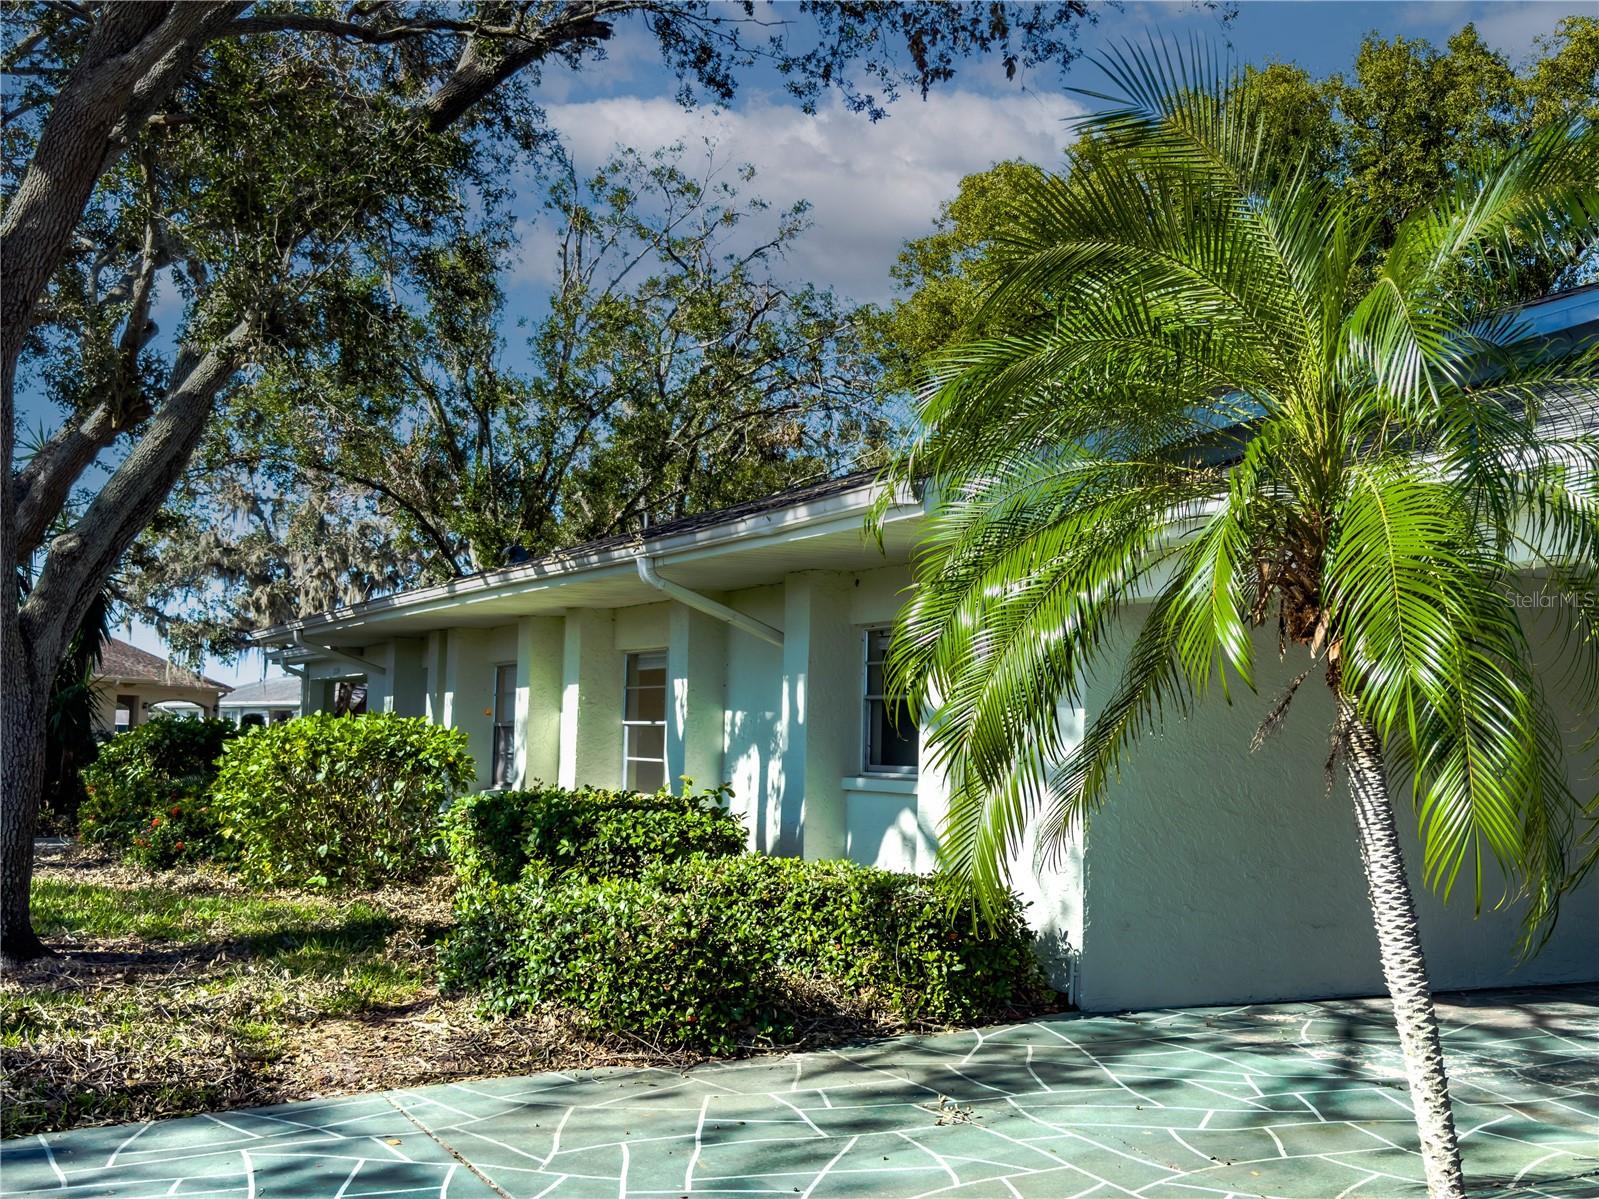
[146, 794]
[590, 833]
[716, 954]
[327, 800]
[905, 942]
[620, 956]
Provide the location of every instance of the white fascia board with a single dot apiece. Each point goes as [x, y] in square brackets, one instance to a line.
[843, 511]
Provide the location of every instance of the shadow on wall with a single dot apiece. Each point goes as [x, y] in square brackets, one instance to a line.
[750, 754]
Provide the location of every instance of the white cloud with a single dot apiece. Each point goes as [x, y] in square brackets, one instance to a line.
[871, 186]
[1512, 29]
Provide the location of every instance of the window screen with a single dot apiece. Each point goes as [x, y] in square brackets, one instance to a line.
[504, 764]
[644, 723]
[892, 739]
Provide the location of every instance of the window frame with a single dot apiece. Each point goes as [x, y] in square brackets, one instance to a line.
[867, 700]
[502, 752]
[628, 658]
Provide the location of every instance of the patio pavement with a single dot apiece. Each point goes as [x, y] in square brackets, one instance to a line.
[1302, 1101]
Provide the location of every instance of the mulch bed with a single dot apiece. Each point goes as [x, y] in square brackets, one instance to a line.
[180, 1051]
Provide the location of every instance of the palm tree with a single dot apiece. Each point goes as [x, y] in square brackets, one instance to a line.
[1244, 409]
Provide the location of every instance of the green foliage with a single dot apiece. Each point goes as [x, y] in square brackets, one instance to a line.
[1391, 133]
[346, 800]
[723, 953]
[494, 835]
[667, 375]
[908, 943]
[146, 793]
[674, 970]
[1225, 408]
[70, 741]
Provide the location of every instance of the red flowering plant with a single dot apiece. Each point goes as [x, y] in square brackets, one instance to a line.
[181, 832]
[147, 794]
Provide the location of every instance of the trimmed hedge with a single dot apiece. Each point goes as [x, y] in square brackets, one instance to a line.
[146, 794]
[621, 957]
[904, 942]
[721, 953]
[327, 800]
[591, 833]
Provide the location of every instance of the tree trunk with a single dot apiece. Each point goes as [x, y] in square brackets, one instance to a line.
[22, 715]
[1404, 966]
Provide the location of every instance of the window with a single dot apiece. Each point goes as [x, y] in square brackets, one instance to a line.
[892, 739]
[644, 723]
[504, 763]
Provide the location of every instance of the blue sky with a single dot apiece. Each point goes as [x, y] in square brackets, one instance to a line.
[873, 186]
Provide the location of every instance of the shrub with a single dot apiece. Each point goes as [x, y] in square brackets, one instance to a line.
[621, 957]
[901, 942]
[714, 953]
[590, 833]
[327, 800]
[146, 793]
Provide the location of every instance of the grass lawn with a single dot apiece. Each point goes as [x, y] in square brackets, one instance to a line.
[184, 992]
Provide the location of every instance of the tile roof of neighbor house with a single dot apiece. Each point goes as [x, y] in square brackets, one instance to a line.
[281, 692]
[127, 662]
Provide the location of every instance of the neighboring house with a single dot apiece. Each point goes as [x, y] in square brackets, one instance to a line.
[745, 647]
[132, 685]
[271, 701]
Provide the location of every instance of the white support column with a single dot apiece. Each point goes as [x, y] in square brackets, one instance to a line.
[379, 682]
[591, 701]
[540, 653]
[433, 665]
[407, 677]
[469, 694]
[822, 713]
[696, 671]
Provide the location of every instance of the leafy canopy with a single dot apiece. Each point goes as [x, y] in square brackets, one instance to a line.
[1252, 402]
[670, 370]
[1391, 132]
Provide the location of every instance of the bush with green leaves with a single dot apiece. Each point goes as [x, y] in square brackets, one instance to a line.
[592, 833]
[619, 957]
[340, 800]
[145, 795]
[717, 953]
[904, 943]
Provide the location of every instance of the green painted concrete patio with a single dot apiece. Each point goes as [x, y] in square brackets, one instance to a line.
[1304, 1101]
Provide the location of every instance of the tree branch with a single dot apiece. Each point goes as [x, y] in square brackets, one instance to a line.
[80, 559]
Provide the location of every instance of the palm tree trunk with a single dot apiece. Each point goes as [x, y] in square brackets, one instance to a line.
[1404, 966]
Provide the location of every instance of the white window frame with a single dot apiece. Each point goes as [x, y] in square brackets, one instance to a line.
[867, 699]
[628, 725]
[509, 725]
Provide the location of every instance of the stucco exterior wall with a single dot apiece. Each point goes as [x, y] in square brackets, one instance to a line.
[1214, 875]
[821, 700]
[696, 668]
[591, 701]
[540, 651]
[753, 734]
[145, 696]
[468, 693]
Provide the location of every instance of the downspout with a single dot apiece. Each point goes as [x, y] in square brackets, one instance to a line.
[703, 603]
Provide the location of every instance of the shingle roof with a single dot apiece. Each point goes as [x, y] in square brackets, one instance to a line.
[805, 493]
[268, 693]
[121, 660]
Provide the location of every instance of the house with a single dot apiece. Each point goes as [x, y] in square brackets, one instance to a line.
[745, 646]
[132, 685]
[270, 701]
